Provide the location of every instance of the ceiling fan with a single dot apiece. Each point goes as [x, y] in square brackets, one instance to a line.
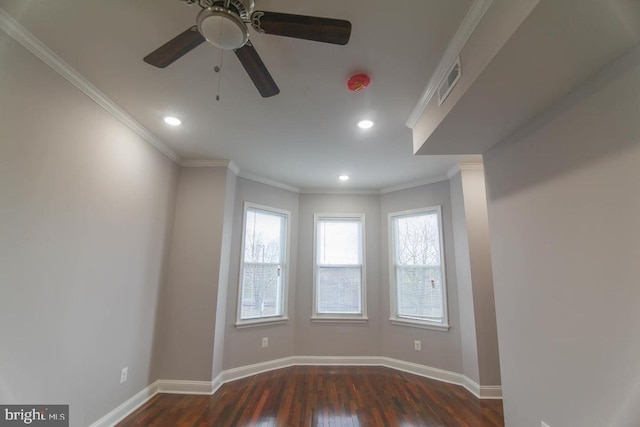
[224, 23]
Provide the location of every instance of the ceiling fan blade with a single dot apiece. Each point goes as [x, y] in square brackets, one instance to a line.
[326, 30]
[256, 69]
[175, 48]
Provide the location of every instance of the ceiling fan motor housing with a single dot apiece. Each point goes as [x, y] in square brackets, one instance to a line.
[222, 28]
[242, 7]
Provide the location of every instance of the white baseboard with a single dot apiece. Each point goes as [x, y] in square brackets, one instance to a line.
[121, 412]
[471, 385]
[425, 371]
[481, 392]
[337, 360]
[210, 387]
[490, 392]
[258, 368]
[216, 383]
[184, 387]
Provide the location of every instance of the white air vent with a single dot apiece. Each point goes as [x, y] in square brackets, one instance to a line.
[449, 81]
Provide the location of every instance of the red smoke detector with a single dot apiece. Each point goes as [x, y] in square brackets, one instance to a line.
[358, 82]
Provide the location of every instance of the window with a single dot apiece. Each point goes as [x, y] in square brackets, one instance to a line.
[263, 273]
[418, 290]
[339, 292]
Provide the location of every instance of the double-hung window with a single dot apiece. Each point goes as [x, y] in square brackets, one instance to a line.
[339, 273]
[418, 289]
[264, 266]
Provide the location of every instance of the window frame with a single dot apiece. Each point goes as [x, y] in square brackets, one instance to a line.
[395, 317]
[340, 317]
[285, 240]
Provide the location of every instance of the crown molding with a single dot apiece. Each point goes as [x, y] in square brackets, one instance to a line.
[212, 163]
[414, 184]
[215, 163]
[46, 55]
[464, 166]
[455, 169]
[345, 191]
[451, 54]
[234, 168]
[471, 166]
[268, 182]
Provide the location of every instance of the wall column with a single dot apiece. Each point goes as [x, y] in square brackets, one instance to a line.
[479, 337]
[187, 322]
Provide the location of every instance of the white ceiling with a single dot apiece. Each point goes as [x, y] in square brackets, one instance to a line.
[305, 136]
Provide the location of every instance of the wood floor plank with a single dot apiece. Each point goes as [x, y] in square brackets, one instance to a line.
[324, 396]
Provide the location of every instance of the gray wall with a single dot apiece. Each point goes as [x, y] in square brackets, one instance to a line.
[440, 349]
[339, 339]
[187, 321]
[85, 214]
[244, 346]
[564, 204]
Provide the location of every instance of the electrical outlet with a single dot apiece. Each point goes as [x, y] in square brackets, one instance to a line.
[543, 424]
[417, 345]
[265, 342]
[123, 375]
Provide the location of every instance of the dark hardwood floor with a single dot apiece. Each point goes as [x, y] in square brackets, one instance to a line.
[323, 396]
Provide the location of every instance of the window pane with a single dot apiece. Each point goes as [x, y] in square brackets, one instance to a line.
[261, 285]
[263, 264]
[263, 237]
[417, 240]
[339, 290]
[339, 242]
[419, 292]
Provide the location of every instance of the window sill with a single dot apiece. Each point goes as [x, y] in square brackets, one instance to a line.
[418, 324]
[261, 322]
[337, 319]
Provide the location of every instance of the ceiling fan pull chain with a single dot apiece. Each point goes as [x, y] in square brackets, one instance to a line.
[218, 69]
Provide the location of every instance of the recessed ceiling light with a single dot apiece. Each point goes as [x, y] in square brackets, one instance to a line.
[365, 124]
[173, 121]
[343, 177]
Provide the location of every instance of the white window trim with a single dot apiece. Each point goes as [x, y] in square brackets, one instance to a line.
[268, 320]
[333, 317]
[395, 318]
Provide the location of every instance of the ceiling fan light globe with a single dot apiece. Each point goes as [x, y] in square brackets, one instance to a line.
[222, 28]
